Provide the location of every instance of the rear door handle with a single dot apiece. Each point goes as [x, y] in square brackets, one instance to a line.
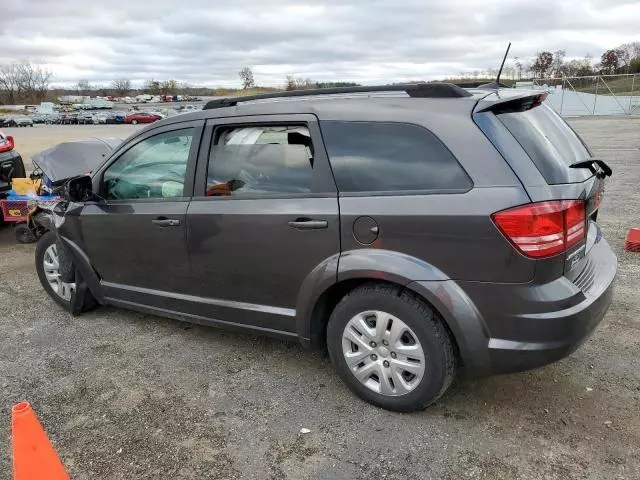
[166, 222]
[308, 224]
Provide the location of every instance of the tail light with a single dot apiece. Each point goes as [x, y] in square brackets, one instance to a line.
[543, 229]
[6, 143]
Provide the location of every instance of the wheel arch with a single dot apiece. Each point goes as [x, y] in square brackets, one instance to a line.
[460, 317]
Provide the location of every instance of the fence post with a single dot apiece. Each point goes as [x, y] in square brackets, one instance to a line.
[595, 97]
[562, 98]
[633, 81]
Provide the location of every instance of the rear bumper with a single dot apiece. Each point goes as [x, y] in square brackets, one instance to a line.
[524, 326]
[535, 325]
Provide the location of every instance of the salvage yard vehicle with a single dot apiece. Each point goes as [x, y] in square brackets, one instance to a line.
[18, 121]
[11, 164]
[415, 231]
[140, 117]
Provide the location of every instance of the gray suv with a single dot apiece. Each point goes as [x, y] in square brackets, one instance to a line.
[412, 230]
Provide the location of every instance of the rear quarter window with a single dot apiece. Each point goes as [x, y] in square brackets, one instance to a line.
[550, 143]
[390, 157]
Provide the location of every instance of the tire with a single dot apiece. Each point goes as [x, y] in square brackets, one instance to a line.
[431, 337]
[134, 122]
[46, 241]
[23, 233]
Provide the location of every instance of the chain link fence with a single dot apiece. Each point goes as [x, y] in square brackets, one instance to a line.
[595, 95]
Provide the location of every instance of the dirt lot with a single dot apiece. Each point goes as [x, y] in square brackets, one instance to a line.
[127, 396]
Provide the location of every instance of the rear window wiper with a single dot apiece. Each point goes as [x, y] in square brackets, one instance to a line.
[603, 171]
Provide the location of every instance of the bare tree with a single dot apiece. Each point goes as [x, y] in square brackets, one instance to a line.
[290, 83]
[246, 76]
[121, 86]
[24, 82]
[153, 87]
[298, 83]
[557, 64]
[10, 83]
[627, 52]
[168, 87]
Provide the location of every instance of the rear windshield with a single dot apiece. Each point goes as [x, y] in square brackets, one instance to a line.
[550, 142]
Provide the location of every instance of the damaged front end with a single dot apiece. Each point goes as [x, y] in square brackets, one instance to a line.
[65, 172]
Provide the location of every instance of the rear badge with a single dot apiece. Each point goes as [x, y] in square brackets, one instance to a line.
[575, 257]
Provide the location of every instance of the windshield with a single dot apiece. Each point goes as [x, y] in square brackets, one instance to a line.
[550, 142]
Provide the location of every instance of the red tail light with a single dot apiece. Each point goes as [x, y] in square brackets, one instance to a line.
[543, 229]
[6, 143]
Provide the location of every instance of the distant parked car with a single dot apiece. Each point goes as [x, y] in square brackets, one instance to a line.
[119, 117]
[101, 117]
[140, 117]
[19, 121]
[68, 119]
[39, 118]
[86, 118]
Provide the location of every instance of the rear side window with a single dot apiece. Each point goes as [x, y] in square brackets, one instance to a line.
[550, 142]
[260, 160]
[390, 157]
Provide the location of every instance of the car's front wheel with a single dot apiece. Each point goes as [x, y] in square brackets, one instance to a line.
[134, 122]
[48, 268]
[391, 348]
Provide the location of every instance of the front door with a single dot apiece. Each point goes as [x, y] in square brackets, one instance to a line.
[263, 216]
[136, 235]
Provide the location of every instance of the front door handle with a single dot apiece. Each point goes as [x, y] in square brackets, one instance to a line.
[166, 222]
[308, 224]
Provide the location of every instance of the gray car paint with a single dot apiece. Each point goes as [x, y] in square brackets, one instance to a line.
[441, 246]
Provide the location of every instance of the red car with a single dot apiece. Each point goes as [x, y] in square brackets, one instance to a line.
[140, 117]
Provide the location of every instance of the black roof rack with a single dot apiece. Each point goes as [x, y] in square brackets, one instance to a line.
[416, 90]
[481, 85]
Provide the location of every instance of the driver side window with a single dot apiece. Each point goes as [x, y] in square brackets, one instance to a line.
[153, 168]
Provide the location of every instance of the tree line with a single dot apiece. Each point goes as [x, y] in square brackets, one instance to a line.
[624, 59]
[29, 83]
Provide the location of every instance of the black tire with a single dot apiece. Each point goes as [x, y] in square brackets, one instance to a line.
[422, 319]
[24, 234]
[45, 242]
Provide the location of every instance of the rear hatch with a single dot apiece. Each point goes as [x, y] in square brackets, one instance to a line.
[568, 168]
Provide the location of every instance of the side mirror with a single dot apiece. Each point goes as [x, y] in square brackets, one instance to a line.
[78, 189]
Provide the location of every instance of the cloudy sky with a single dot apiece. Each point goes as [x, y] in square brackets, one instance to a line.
[205, 42]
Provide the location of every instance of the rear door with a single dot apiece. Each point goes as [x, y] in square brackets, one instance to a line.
[263, 217]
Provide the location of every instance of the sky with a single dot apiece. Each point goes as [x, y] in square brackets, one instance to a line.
[206, 42]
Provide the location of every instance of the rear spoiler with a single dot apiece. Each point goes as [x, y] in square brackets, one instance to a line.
[511, 104]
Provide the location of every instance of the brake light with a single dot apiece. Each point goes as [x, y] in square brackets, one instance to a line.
[6, 143]
[543, 229]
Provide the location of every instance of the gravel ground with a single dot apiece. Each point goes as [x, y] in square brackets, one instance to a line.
[124, 395]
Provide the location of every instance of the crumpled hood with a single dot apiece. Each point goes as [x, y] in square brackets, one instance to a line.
[70, 159]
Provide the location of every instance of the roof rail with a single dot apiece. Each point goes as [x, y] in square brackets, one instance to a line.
[415, 90]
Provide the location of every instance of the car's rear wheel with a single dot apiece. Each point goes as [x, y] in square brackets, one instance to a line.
[134, 122]
[48, 268]
[391, 348]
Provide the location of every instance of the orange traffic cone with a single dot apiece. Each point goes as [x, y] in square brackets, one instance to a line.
[33, 456]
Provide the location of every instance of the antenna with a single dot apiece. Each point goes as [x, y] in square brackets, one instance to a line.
[496, 83]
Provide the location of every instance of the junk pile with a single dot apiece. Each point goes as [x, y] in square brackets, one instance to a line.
[26, 196]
